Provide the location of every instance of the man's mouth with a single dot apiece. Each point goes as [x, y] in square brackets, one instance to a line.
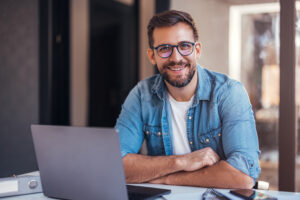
[176, 68]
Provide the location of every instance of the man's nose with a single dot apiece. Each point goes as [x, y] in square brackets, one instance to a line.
[176, 56]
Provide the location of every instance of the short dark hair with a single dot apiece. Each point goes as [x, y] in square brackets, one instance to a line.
[170, 18]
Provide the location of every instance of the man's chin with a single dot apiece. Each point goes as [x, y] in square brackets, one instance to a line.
[178, 84]
[178, 81]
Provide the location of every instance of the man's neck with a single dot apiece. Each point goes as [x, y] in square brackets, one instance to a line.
[185, 93]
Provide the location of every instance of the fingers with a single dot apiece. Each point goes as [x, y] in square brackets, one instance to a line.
[210, 156]
[199, 159]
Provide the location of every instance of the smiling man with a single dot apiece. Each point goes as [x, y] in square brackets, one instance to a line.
[198, 125]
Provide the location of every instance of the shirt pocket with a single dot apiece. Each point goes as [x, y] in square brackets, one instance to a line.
[212, 139]
[154, 140]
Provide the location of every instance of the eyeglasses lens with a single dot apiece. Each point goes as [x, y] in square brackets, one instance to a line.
[164, 51]
[184, 49]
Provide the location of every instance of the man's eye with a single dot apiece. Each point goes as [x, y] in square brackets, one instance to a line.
[164, 49]
[185, 45]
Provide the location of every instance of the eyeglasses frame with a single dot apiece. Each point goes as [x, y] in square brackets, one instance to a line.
[172, 47]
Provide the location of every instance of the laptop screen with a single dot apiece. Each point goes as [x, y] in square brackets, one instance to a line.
[79, 162]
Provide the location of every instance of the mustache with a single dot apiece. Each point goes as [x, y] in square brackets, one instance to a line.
[172, 63]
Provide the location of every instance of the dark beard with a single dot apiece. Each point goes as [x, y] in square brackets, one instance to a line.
[179, 83]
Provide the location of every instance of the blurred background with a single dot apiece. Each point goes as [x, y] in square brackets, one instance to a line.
[73, 62]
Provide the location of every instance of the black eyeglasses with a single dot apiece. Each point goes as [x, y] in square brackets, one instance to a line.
[166, 50]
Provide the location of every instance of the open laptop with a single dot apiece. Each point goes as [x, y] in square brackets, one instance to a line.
[83, 163]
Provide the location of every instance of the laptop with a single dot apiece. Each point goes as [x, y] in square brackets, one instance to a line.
[84, 163]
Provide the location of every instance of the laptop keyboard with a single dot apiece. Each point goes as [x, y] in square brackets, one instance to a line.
[148, 193]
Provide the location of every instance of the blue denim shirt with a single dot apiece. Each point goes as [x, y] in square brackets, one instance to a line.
[220, 117]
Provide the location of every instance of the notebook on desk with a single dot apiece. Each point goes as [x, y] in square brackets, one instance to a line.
[83, 163]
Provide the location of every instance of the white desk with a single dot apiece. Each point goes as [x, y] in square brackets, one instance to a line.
[178, 193]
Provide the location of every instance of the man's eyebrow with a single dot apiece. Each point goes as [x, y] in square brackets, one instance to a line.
[174, 44]
[163, 44]
[184, 41]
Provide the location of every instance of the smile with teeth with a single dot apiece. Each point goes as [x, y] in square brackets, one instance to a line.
[176, 69]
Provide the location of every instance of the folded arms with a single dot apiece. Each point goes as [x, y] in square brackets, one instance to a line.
[199, 168]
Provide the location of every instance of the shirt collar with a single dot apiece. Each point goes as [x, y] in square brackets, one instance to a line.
[159, 87]
[203, 90]
[204, 85]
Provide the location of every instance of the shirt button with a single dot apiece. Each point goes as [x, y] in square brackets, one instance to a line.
[190, 117]
[191, 142]
[159, 133]
[207, 140]
[219, 134]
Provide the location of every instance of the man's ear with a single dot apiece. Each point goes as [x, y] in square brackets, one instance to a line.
[150, 54]
[198, 48]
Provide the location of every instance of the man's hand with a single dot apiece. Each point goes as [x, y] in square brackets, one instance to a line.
[197, 159]
[140, 168]
[219, 175]
[191, 162]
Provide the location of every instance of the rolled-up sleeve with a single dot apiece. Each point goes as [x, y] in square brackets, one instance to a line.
[240, 142]
[129, 124]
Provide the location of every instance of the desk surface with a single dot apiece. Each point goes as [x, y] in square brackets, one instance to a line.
[178, 193]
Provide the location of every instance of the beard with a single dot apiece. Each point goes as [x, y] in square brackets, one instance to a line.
[179, 81]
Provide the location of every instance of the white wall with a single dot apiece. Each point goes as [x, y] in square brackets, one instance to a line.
[79, 61]
[212, 20]
[147, 9]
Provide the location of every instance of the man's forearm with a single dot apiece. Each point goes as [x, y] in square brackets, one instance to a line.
[219, 175]
[141, 168]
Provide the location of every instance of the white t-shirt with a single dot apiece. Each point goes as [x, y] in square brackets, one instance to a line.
[179, 111]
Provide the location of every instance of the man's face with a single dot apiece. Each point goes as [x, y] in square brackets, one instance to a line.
[177, 70]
